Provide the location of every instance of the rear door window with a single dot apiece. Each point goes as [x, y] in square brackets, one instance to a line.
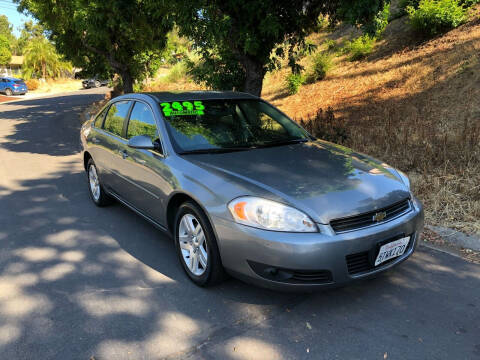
[142, 122]
[116, 116]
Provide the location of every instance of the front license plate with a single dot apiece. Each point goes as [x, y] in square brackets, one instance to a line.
[392, 250]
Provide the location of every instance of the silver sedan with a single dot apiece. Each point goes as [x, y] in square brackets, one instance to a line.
[244, 190]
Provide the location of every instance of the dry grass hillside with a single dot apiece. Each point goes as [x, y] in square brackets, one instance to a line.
[412, 103]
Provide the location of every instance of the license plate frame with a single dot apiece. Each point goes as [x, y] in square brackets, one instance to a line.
[391, 249]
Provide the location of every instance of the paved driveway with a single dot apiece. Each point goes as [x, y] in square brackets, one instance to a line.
[78, 282]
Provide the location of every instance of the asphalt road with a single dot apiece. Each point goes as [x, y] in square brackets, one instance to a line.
[78, 282]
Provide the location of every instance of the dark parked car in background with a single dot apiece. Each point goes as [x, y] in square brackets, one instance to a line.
[13, 86]
[244, 189]
[91, 83]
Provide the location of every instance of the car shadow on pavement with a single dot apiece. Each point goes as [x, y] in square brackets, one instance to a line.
[79, 281]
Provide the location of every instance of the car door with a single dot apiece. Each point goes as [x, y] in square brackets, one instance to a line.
[2, 84]
[110, 146]
[149, 176]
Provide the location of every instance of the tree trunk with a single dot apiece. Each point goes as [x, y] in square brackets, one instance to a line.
[127, 81]
[255, 72]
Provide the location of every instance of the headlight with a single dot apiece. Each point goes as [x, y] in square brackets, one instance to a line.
[404, 178]
[269, 215]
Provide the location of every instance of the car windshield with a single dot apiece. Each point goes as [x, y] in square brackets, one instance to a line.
[228, 125]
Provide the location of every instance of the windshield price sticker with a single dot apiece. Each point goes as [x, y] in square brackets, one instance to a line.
[182, 108]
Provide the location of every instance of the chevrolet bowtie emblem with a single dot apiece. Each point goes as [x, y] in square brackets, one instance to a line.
[379, 216]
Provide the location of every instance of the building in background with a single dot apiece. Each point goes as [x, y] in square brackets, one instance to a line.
[14, 68]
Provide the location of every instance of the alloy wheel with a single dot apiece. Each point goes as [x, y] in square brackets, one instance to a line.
[192, 243]
[94, 183]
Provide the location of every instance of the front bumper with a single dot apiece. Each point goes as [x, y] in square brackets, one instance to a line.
[265, 258]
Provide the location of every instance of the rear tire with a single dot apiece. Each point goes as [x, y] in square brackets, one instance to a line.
[97, 84]
[95, 188]
[8, 92]
[203, 272]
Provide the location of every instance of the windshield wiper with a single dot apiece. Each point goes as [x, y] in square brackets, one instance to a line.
[282, 142]
[216, 150]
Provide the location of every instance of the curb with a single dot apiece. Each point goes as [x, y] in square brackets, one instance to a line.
[457, 238]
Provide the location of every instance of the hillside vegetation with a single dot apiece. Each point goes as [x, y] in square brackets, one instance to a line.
[412, 102]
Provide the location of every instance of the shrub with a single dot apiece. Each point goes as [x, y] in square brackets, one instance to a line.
[32, 84]
[176, 73]
[415, 3]
[324, 126]
[331, 45]
[378, 24]
[359, 47]
[403, 4]
[322, 64]
[293, 82]
[436, 16]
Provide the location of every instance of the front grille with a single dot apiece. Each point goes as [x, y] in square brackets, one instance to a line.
[322, 276]
[367, 219]
[357, 263]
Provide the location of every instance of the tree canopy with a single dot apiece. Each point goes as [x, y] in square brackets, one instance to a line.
[5, 52]
[42, 60]
[122, 36]
[239, 41]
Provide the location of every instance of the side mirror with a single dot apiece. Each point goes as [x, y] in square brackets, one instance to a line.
[141, 142]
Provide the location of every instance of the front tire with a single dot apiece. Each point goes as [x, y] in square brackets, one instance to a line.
[95, 189]
[8, 92]
[197, 247]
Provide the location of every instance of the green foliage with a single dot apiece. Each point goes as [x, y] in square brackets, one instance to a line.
[177, 72]
[359, 47]
[468, 3]
[370, 15]
[403, 4]
[378, 24]
[5, 52]
[220, 71]
[331, 45]
[244, 37]
[103, 37]
[322, 64]
[6, 31]
[29, 31]
[436, 16]
[415, 3]
[176, 48]
[41, 60]
[293, 82]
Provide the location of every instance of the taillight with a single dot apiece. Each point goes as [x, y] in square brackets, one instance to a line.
[16, 85]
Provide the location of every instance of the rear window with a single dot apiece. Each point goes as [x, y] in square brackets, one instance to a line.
[116, 116]
[19, 82]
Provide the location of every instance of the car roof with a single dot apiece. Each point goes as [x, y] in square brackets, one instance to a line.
[198, 95]
[10, 78]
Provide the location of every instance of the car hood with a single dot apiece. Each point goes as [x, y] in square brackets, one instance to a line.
[325, 180]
